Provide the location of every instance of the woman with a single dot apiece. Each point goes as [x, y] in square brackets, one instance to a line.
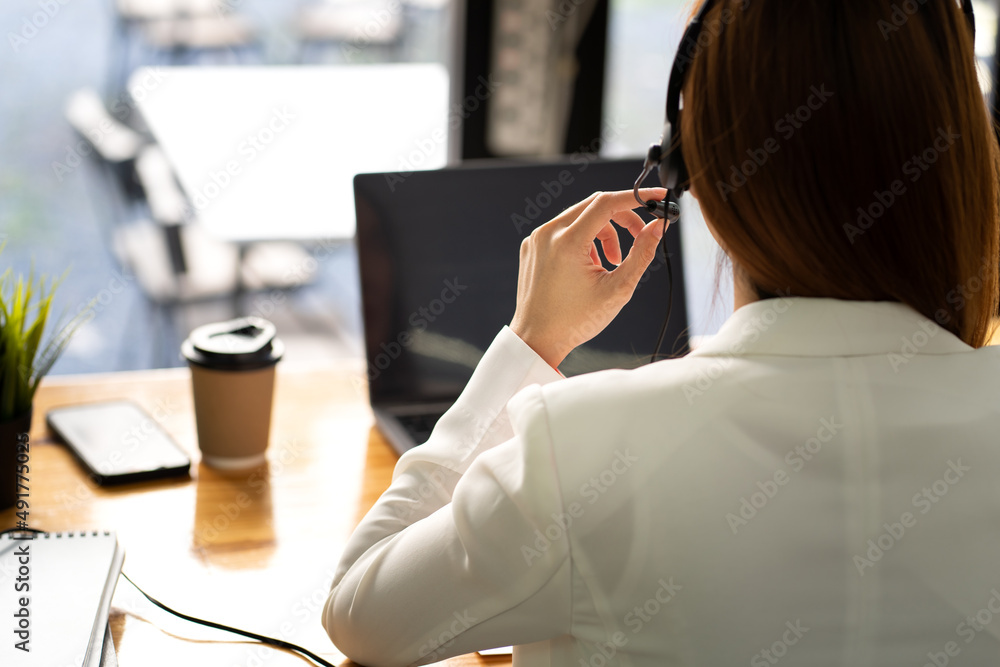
[814, 485]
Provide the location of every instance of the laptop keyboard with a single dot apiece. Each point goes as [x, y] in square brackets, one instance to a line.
[419, 426]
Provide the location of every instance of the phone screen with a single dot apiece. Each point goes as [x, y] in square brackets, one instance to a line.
[118, 442]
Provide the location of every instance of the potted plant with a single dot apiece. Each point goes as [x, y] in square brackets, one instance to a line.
[25, 306]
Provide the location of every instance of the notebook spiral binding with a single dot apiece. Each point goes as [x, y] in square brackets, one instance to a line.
[59, 534]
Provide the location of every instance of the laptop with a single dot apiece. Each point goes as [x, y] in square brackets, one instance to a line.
[438, 258]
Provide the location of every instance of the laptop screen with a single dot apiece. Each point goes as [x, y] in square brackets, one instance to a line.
[438, 256]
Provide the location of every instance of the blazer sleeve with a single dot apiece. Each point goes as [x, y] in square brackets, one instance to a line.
[459, 553]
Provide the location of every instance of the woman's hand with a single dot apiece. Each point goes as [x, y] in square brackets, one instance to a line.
[564, 296]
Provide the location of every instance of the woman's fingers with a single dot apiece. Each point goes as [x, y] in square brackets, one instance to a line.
[569, 216]
[624, 200]
[594, 257]
[641, 255]
[631, 221]
[608, 236]
[604, 206]
[565, 297]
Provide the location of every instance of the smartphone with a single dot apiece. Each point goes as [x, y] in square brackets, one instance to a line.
[118, 442]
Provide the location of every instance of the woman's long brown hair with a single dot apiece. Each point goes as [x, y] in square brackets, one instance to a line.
[841, 148]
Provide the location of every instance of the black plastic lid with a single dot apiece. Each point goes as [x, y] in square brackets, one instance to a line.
[245, 344]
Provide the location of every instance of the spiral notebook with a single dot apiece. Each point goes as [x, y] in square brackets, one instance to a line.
[55, 594]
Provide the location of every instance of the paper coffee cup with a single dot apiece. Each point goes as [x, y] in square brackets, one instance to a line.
[232, 375]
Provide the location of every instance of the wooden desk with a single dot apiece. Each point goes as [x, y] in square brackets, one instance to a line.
[256, 549]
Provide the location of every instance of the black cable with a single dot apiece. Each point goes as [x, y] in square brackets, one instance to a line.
[670, 295]
[667, 210]
[280, 643]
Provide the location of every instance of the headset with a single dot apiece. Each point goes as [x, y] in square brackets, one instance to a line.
[667, 156]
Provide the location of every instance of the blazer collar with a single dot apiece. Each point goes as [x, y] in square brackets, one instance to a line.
[811, 327]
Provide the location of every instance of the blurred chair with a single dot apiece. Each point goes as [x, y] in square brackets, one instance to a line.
[210, 267]
[191, 264]
[186, 38]
[167, 205]
[177, 32]
[115, 144]
[154, 230]
[353, 27]
[148, 10]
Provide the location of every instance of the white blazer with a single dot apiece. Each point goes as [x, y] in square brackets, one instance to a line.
[815, 485]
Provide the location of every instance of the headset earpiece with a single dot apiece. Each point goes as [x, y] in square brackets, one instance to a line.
[668, 208]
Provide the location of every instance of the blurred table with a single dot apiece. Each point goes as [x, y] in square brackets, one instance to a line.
[269, 153]
[255, 549]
